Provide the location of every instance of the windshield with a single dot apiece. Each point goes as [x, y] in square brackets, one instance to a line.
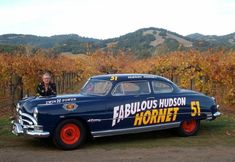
[96, 87]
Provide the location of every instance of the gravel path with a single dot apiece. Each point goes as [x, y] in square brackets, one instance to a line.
[208, 154]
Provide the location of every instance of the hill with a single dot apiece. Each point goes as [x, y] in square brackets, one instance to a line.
[143, 42]
[150, 41]
[213, 41]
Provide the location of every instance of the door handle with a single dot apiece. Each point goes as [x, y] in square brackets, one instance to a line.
[150, 98]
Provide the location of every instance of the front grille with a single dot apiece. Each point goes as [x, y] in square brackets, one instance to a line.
[26, 120]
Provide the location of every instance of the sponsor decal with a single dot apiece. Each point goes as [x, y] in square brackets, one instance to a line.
[60, 100]
[149, 111]
[93, 120]
[70, 106]
[134, 76]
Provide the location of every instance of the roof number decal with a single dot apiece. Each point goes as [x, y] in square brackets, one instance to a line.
[113, 78]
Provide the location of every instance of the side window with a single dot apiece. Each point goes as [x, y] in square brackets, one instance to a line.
[132, 88]
[161, 87]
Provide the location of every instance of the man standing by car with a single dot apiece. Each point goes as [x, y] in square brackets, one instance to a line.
[46, 88]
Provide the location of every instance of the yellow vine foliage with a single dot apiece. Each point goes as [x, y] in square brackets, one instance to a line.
[209, 72]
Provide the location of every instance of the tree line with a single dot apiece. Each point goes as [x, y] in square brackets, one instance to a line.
[209, 72]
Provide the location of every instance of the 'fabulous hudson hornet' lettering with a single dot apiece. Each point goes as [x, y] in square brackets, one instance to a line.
[169, 102]
[149, 111]
[156, 116]
[124, 111]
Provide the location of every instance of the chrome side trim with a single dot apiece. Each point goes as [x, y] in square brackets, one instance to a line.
[132, 117]
[135, 129]
[37, 134]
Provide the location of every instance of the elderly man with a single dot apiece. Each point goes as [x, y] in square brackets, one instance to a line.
[46, 88]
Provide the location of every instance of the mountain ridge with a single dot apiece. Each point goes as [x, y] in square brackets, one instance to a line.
[143, 42]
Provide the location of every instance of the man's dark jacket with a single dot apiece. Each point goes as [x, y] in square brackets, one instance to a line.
[41, 90]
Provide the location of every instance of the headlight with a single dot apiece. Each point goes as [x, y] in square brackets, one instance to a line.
[17, 107]
[213, 98]
[35, 113]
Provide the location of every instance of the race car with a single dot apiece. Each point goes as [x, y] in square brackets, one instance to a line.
[114, 104]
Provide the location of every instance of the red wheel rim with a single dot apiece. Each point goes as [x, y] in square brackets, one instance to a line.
[189, 126]
[70, 133]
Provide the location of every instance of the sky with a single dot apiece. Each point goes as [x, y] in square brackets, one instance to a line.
[111, 18]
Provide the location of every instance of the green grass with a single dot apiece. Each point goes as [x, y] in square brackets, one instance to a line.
[220, 132]
[4, 128]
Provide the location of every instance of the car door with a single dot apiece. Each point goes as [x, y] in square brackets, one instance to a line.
[168, 102]
[126, 102]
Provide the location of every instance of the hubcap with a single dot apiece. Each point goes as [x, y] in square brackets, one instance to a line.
[70, 133]
[189, 126]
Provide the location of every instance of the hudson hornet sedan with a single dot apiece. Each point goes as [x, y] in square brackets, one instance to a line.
[112, 105]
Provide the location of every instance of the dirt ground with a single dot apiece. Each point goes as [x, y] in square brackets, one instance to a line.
[208, 154]
[214, 143]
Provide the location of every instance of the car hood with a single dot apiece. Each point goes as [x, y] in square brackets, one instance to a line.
[29, 103]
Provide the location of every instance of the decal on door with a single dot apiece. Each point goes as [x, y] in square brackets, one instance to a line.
[195, 107]
[149, 111]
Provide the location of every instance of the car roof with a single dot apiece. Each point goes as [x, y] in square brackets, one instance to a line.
[128, 77]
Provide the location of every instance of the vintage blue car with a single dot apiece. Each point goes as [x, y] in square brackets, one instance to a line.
[114, 104]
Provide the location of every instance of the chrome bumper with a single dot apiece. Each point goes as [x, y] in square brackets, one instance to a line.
[18, 129]
[211, 116]
[217, 114]
[26, 124]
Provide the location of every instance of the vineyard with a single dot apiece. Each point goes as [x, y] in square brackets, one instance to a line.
[212, 73]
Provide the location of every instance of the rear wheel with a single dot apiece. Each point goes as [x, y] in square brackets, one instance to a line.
[69, 134]
[189, 128]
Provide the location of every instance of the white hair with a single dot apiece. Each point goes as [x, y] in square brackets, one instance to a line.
[46, 74]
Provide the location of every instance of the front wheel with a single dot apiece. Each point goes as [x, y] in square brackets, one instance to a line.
[189, 128]
[69, 134]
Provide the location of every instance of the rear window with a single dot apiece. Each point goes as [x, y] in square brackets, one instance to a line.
[132, 88]
[161, 87]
